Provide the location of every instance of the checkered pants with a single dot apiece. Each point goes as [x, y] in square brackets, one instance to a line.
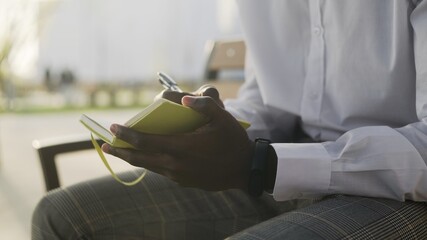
[156, 208]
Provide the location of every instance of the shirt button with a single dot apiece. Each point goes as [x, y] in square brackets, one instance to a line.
[317, 31]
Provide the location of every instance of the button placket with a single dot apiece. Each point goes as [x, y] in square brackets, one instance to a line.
[313, 88]
[317, 30]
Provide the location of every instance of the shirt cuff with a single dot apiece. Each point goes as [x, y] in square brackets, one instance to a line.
[303, 170]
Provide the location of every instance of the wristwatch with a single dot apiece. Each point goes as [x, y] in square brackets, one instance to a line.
[259, 166]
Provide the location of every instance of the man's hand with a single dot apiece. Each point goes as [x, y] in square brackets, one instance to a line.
[216, 156]
[205, 90]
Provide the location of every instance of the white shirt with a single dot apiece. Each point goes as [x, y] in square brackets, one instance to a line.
[353, 75]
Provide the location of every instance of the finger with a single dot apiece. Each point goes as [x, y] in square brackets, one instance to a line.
[152, 161]
[209, 91]
[172, 144]
[162, 164]
[213, 93]
[204, 105]
[201, 90]
[172, 95]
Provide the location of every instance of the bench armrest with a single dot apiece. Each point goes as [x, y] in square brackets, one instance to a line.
[48, 149]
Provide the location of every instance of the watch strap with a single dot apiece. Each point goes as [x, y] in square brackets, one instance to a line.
[257, 175]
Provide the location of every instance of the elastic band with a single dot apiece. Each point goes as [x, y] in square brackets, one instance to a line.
[104, 160]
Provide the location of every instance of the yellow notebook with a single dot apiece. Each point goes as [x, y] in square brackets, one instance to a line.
[160, 117]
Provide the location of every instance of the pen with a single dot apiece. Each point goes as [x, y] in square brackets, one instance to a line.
[168, 82]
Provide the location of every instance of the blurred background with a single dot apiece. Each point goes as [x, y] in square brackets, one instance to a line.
[68, 47]
[59, 58]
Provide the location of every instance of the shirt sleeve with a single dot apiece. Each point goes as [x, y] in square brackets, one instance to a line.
[376, 161]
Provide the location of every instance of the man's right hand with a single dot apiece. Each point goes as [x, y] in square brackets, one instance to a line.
[205, 90]
[216, 156]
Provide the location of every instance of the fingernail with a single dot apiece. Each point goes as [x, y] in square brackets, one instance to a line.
[105, 148]
[114, 128]
[188, 100]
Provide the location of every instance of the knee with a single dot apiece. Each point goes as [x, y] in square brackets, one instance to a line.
[43, 212]
[48, 222]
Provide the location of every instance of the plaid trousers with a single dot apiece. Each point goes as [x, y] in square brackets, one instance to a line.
[155, 208]
[345, 217]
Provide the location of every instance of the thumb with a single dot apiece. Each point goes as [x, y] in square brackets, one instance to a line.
[209, 91]
[204, 105]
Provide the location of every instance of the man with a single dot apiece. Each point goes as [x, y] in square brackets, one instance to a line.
[345, 81]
